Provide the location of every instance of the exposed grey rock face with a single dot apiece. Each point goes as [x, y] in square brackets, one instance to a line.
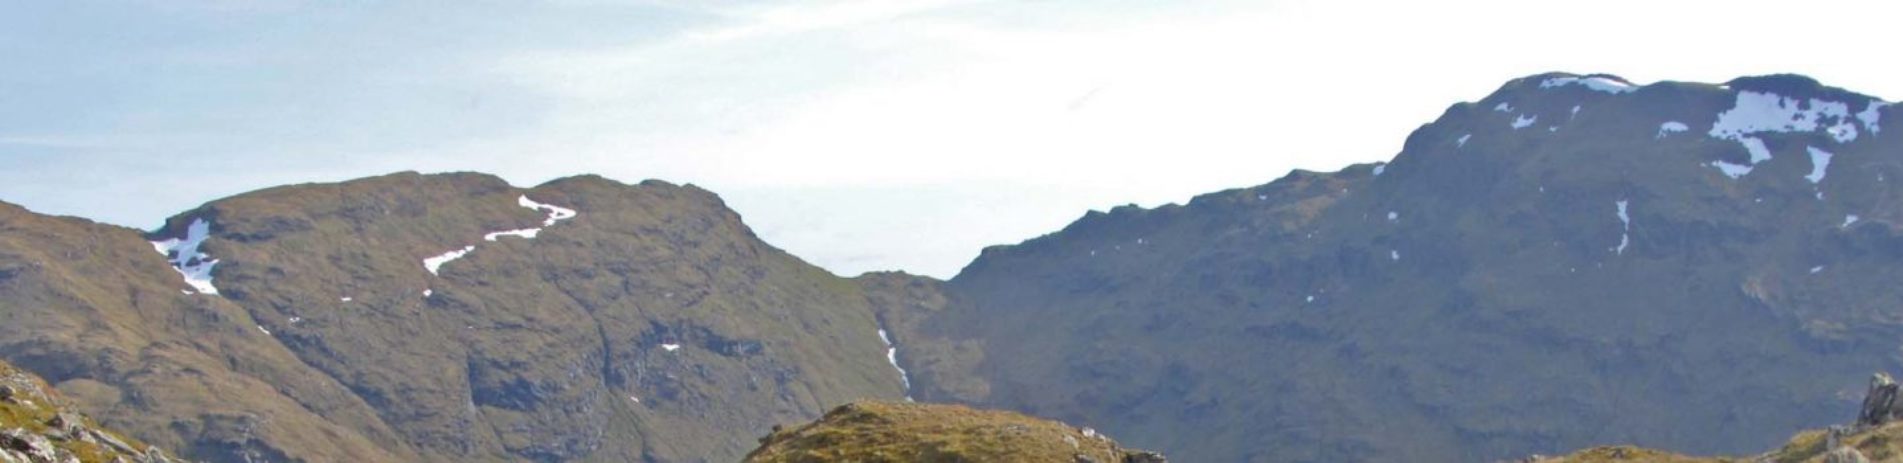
[35, 447]
[1879, 404]
[1845, 455]
[1145, 457]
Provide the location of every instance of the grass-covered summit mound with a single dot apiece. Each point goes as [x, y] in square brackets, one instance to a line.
[874, 431]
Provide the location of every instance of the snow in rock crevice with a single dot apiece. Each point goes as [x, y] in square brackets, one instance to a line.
[1524, 121]
[1503, 107]
[1819, 161]
[1379, 168]
[1595, 83]
[1671, 127]
[526, 233]
[670, 347]
[1871, 115]
[1759, 154]
[1850, 219]
[1625, 227]
[555, 214]
[434, 263]
[1462, 141]
[892, 357]
[185, 257]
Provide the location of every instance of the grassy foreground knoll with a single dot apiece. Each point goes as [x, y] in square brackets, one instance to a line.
[875, 431]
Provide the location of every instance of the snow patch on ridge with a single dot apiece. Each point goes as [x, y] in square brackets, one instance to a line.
[1594, 83]
[1871, 115]
[1850, 219]
[185, 257]
[555, 213]
[1762, 112]
[1757, 112]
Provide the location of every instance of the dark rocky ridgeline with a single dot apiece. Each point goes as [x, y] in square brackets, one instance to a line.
[875, 431]
[1563, 263]
[604, 322]
[36, 426]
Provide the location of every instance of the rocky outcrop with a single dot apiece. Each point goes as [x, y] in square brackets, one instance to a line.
[37, 427]
[1879, 402]
[874, 431]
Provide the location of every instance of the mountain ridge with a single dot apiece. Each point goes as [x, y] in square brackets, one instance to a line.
[1539, 270]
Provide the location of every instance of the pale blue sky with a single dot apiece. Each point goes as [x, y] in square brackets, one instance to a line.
[860, 135]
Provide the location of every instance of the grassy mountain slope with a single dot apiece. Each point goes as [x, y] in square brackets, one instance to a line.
[651, 326]
[95, 311]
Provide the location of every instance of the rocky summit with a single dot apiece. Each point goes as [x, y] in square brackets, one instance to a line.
[1570, 261]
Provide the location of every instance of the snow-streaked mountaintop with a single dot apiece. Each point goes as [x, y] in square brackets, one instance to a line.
[1550, 267]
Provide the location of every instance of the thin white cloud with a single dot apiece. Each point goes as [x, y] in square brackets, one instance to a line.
[782, 19]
